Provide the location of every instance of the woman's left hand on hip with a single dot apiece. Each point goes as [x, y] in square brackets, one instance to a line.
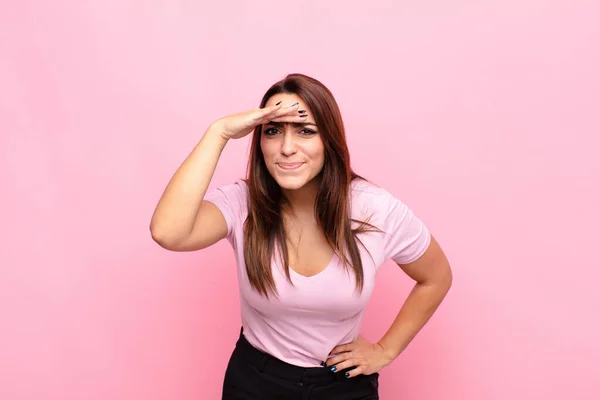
[368, 358]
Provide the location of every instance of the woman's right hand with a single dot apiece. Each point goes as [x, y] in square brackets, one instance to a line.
[238, 125]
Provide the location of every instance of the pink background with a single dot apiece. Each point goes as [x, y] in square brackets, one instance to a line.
[483, 116]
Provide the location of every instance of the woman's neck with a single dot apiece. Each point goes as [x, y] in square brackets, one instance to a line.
[301, 201]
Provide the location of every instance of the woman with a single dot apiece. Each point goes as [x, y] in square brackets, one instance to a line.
[309, 236]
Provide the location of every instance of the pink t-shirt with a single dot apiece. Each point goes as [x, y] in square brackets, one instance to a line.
[306, 321]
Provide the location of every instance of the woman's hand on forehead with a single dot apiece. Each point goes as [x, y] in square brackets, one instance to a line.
[289, 120]
[289, 115]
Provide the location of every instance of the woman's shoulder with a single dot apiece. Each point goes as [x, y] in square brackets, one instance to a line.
[369, 200]
[233, 195]
[237, 187]
[364, 190]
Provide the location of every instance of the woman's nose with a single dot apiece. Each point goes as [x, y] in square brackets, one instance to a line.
[289, 145]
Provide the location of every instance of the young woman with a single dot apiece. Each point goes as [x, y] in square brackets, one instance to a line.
[309, 236]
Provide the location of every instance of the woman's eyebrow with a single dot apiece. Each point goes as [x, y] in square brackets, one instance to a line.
[295, 124]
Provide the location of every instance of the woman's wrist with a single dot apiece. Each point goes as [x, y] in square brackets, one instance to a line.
[215, 133]
[390, 351]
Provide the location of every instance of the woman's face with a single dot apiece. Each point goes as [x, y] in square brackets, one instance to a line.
[293, 152]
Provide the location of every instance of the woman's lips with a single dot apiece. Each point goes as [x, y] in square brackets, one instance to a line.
[290, 165]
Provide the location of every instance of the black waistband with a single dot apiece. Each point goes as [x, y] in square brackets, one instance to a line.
[272, 365]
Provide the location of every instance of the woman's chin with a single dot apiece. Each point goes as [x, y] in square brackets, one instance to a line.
[291, 183]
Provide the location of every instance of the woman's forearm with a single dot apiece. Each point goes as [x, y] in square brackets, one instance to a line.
[418, 308]
[178, 206]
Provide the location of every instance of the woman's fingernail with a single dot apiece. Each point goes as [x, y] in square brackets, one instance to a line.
[323, 364]
[302, 116]
[333, 369]
[295, 104]
[301, 111]
[347, 374]
[278, 103]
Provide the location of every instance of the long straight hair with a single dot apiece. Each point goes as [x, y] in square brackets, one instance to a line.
[264, 230]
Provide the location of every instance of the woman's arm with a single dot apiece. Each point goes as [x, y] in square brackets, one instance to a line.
[433, 278]
[183, 220]
[182, 202]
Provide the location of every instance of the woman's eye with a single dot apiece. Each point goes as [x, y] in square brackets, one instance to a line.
[275, 131]
[270, 131]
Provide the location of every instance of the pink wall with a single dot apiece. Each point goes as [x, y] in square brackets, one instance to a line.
[481, 115]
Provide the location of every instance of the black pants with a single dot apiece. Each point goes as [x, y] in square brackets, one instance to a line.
[254, 375]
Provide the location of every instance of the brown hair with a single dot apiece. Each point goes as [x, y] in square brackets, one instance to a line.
[263, 229]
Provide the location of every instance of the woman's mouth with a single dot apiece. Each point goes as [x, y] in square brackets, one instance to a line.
[289, 166]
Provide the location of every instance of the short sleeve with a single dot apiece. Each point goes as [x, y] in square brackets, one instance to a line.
[406, 236]
[231, 200]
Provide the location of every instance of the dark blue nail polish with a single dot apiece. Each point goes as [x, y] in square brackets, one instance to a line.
[347, 374]
[295, 104]
[278, 103]
[301, 111]
[304, 115]
[323, 364]
[333, 369]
